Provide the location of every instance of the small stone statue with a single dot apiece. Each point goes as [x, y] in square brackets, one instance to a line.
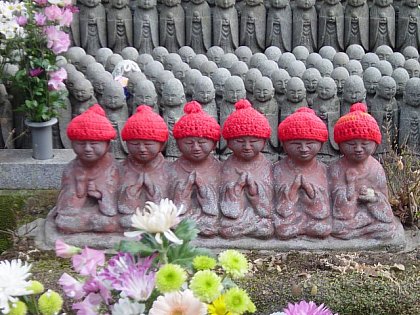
[356, 23]
[401, 77]
[413, 68]
[340, 60]
[130, 53]
[186, 53]
[172, 25]
[119, 26]
[144, 172]
[301, 186]
[369, 60]
[312, 60]
[296, 97]
[144, 59]
[284, 61]
[144, 93]
[258, 58]
[280, 78]
[102, 55]
[382, 24]
[191, 78]
[92, 21]
[215, 53]
[279, 25]
[146, 27]
[301, 53]
[253, 23]
[305, 25]
[411, 52]
[99, 80]
[246, 178]
[83, 96]
[6, 120]
[179, 70]
[134, 78]
[371, 79]
[355, 51]
[385, 67]
[296, 68]
[327, 52]
[207, 68]
[198, 26]
[325, 67]
[195, 175]
[310, 78]
[327, 107]
[225, 25]
[159, 53]
[353, 92]
[205, 94]
[357, 181]
[162, 78]
[252, 76]
[331, 25]
[340, 75]
[274, 53]
[84, 62]
[88, 197]
[112, 62]
[197, 61]
[354, 67]
[408, 33]
[409, 128]
[396, 60]
[74, 54]
[152, 70]
[244, 54]
[239, 68]
[171, 60]
[219, 78]
[172, 103]
[383, 52]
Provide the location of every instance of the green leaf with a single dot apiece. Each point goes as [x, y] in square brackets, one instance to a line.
[186, 230]
[135, 247]
[184, 254]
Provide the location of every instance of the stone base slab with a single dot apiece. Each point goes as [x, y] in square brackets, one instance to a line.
[46, 234]
[19, 170]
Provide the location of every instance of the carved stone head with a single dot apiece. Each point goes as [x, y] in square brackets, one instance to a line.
[310, 78]
[234, 89]
[295, 90]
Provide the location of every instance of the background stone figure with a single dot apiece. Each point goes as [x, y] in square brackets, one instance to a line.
[225, 26]
[205, 94]
[253, 24]
[356, 23]
[146, 26]
[172, 25]
[6, 120]
[279, 25]
[310, 78]
[119, 26]
[305, 25]
[83, 96]
[198, 26]
[280, 77]
[340, 75]
[381, 24]
[145, 94]
[408, 33]
[353, 92]
[92, 21]
[371, 79]
[409, 126]
[331, 25]
[296, 97]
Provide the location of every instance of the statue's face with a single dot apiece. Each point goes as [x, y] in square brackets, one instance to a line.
[204, 93]
[305, 4]
[113, 98]
[413, 71]
[119, 4]
[311, 83]
[356, 3]
[295, 93]
[383, 3]
[144, 151]
[354, 93]
[91, 3]
[412, 3]
[195, 149]
[81, 91]
[366, 63]
[219, 86]
[90, 151]
[325, 90]
[371, 84]
[180, 75]
[187, 57]
[357, 150]
[400, 85]
[339, 82]
[145, 96]
[246, 148]
[234, 93]
[386, 90]
[279, 3]
[302, 151]
[253, 2]
[99, 85]
[225, 3]
[249, 84]
[171, 3]
[412, 97]
[383, 54]
[172, 97]
[280, 85]
[147, 4]
[263, 92]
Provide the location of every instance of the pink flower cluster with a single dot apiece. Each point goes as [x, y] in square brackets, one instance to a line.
[123, 274]
[58, 41]
[307, 308]
[55, 82]
[64, 16]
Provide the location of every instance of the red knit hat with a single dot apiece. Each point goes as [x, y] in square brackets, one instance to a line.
[91, 125]
[303, 124]
[145, 124]
[246, 121]
[357, 124]
[196, 123]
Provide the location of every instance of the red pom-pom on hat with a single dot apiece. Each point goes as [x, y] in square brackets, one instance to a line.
[246, 121]
[303, 124]
[91, 125]
[145, 124]
[357, 124]
[196, 123]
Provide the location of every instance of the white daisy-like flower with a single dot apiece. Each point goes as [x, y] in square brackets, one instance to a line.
[125, 306]
[156, 219]
[13, 282]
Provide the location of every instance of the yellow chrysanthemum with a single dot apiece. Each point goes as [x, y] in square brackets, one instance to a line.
[204, 263]
[50, 303]
[234, 263]
[18, 308]
[218, 307]
[170, 278]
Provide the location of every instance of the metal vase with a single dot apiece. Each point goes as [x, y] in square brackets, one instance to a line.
[42, 144]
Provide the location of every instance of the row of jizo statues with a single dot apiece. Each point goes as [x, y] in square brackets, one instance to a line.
[276, 84]
[146, 24]
[244, 196]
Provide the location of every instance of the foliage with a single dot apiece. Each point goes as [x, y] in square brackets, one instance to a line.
[32, 34]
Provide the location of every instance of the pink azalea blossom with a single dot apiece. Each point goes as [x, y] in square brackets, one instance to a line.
[137, 283]
[71, 287]
[21, 20]
[87, 261]
[56, 82]
[36, 72]
[62, 249]
[53, 13]
[58, 41]
[41, 2]
[97, 285]
[40, 19]
[66, 17]
[307, 308]
[118, 265]
[89, 306]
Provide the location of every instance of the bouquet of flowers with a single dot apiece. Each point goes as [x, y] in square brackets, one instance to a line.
[32, 34]
[19, 295]
[160, 273]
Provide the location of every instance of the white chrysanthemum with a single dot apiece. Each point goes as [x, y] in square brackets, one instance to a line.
[127, 307]
[156, 219]
[13, 282]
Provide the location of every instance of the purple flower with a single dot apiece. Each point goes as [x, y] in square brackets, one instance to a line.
[41, 2]
[22, 20]
[40, 19]
[53, 13]
[36, 72]
[58, 41]
[89, 306]
[71, 287]
[66, 17]
[118, 265]
[87, 261]
[56, 83]
[307, 308]
[97, 285]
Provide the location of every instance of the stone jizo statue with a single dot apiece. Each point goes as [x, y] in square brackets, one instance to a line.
[92, 21]
[172, 25]
[119, 26]
[356, 23]
[225, 26]
[198, 26]
[279, 25]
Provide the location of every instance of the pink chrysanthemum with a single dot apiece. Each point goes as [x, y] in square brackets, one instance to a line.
[306, 308]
